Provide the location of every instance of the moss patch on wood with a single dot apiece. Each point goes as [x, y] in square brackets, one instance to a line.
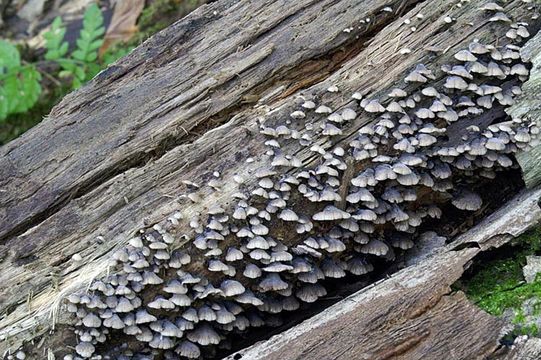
[497, 285]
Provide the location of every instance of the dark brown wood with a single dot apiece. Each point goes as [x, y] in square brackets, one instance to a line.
[110, 158]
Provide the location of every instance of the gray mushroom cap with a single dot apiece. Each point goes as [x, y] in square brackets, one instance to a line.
[114, 322]
[467, 200]
[330, 213]
[415, 76]
[233, 254]
[500, 16]
[248, 298]
[188, 350]
[455, 82]
[142, 317]
[161, 342]
[310, 292]
[232, 288]
[331, 269]
[217, 265]
[160, 302]
[85, 349]
[205, 313]
[465, 55]
[375, 247]
[373, 106]
[273, 282]
[92, 321]
[322, 109]
[183, 324]
[348, 114]
[359, 266]
[181, 300]
[288, 215]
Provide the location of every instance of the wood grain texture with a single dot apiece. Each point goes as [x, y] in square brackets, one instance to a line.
[529, 105]
[110, 158]
[530, 349]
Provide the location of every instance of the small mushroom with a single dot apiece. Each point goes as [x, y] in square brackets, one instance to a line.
[322, 109]
[373, 106]
[465, 55]
[331, 213]
[310, 292]
[188, 350]
[85, 349]
[375, 247]
[467, 200]
[204, 335]
[232, 288]
[272, 282]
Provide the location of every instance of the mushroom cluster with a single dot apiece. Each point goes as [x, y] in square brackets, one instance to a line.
[245, 265]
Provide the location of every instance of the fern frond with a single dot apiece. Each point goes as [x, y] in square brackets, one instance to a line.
[90, 38]
[56, 47]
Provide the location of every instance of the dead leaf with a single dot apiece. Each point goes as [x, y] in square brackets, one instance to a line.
[123, 22]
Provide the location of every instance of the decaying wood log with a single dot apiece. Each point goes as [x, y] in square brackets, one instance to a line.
[111, 158]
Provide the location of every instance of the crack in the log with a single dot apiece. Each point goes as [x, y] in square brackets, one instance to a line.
[467, 245]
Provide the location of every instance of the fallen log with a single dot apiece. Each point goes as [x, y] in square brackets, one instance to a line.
[134, 147]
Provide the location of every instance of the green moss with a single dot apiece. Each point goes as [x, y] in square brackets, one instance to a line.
[498, 284]
[493, 288]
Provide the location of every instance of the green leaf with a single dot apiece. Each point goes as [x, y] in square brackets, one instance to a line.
[54, 44]
[29, 88]
[93, 70]
[19, 90]
[11, 87]
[78, 55]
[65, 73]
[3, 104]
[80, 73]
[76, 83]
[9, 57]
[96, 44]
[19, 85]
[91, 57]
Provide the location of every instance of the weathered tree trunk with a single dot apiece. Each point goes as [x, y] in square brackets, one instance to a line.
[111, 159]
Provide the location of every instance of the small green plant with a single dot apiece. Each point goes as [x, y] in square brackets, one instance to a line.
[82, 63]
[20, 85]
